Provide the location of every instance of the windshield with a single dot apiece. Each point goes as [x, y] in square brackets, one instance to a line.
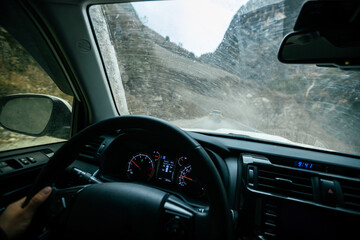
[211, 65]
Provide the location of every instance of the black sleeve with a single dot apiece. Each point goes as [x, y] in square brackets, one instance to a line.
[3, 235]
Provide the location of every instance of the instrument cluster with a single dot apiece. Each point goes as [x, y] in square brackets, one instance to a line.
[143, 162]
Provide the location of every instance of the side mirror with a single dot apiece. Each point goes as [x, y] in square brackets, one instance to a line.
[36, 115]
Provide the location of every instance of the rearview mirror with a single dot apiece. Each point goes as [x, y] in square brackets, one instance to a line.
[326, 33]
[313, 47]
[36, 115]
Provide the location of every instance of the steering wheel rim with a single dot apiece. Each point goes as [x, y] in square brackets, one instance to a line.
[220, 217]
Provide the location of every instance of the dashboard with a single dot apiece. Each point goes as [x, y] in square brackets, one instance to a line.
[275, 191]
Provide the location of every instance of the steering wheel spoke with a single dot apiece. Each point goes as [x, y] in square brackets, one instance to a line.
[178, 219]
[53, 214]
[61, 201]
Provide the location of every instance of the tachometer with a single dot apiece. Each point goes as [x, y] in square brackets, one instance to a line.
[140, 167]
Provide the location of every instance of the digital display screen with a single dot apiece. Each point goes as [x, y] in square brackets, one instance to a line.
[304, 165]
[166, 170]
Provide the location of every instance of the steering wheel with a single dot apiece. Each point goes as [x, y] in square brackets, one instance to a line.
[132, 210]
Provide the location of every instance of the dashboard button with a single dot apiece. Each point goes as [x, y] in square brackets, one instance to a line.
[31, 159]
[24, 161]
[3, 164]
[251, 176]
[329, 192]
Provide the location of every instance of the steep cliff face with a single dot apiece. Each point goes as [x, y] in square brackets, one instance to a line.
[253, 38]
[159, 74]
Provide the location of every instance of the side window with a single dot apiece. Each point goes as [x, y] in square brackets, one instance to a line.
[33, 110]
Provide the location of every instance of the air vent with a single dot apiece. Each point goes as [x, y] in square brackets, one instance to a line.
[351, 191]
[283, 181]
[89, 150]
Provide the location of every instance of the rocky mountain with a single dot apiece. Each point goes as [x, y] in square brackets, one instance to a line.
[255, 33]
[158, 73]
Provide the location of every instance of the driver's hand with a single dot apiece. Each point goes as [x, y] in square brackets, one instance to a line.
[15, 219]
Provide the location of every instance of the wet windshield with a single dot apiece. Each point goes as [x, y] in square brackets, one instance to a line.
[211, 65]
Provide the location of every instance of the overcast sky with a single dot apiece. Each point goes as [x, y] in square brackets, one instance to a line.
[199, 25]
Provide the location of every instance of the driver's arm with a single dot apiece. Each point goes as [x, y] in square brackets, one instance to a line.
[15, 219]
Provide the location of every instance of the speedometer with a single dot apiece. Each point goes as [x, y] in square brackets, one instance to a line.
[140, 167]
[188, 183]
[185, 177]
